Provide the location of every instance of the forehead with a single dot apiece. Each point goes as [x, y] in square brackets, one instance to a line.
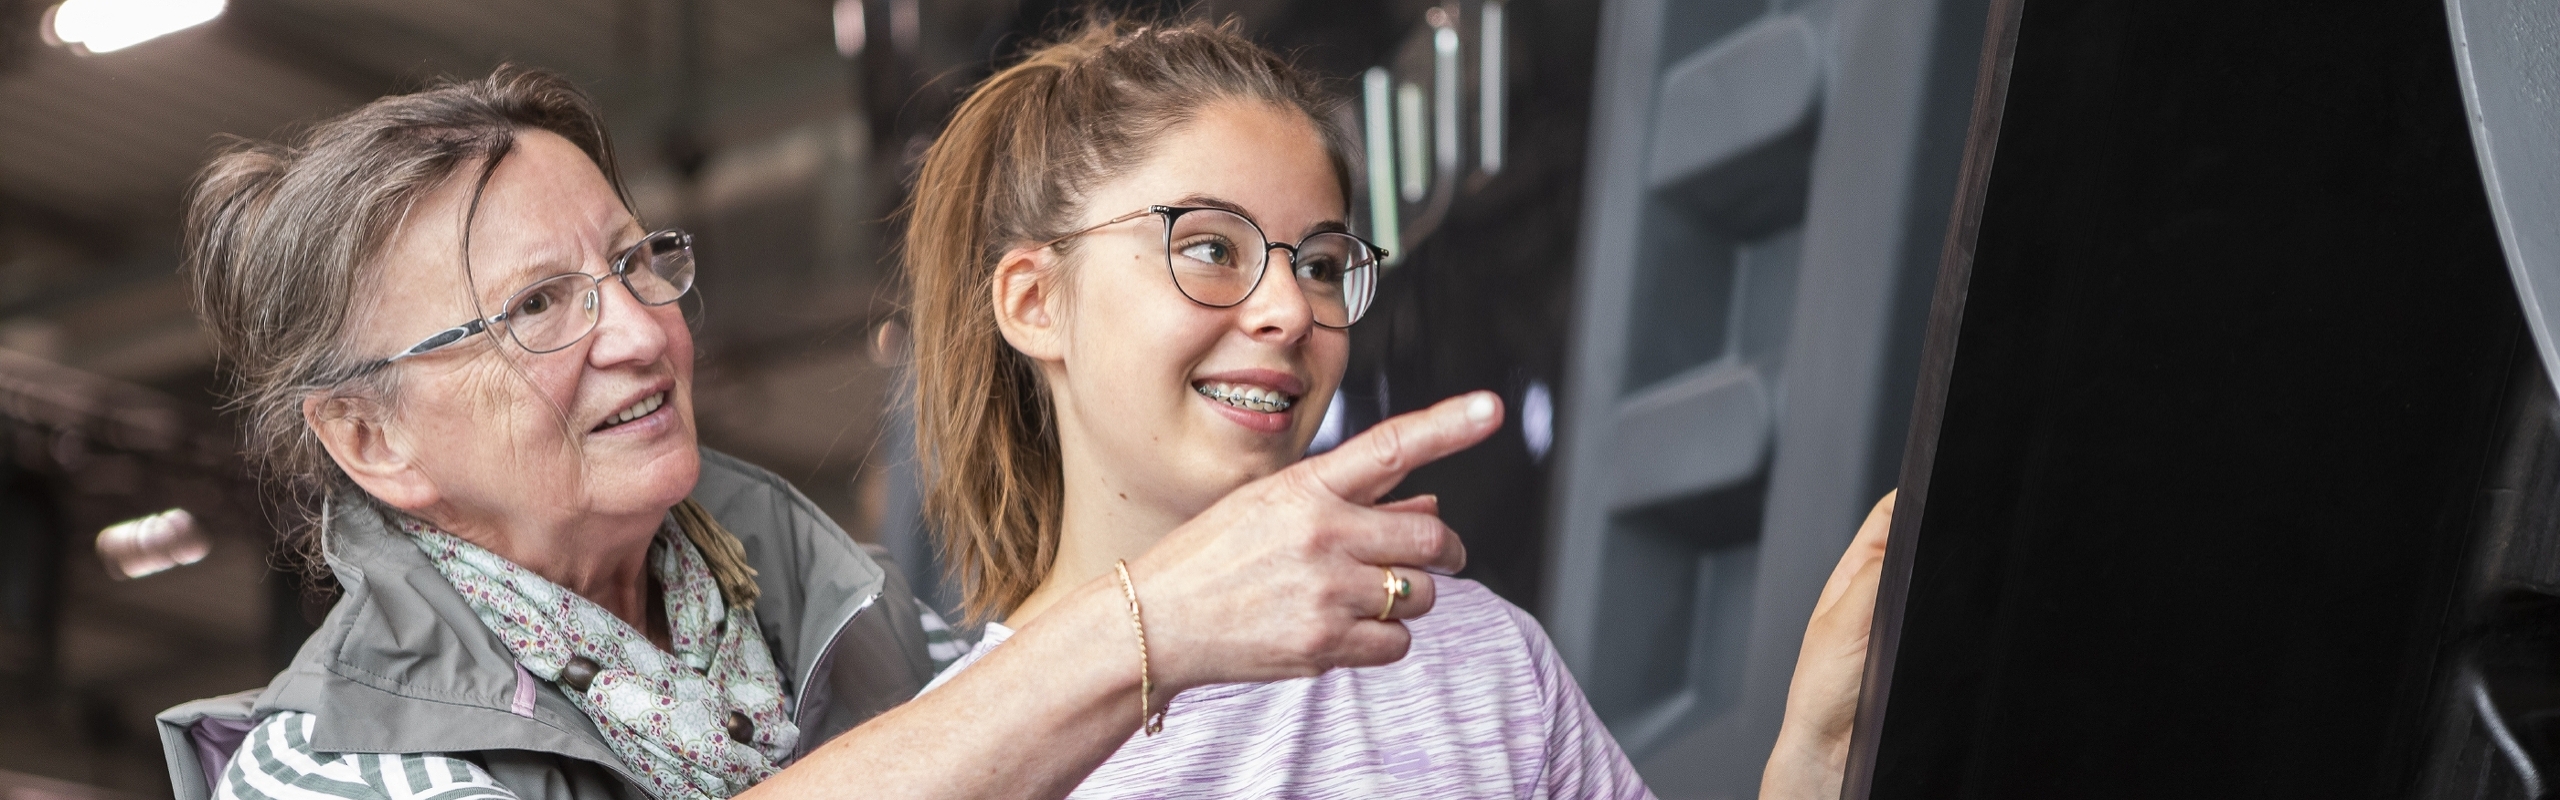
[546, 209]
[1269, 159]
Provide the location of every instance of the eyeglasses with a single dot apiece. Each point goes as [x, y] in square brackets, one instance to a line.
[557, 311]
[1217, 257]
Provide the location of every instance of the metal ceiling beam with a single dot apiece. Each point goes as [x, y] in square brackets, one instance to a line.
[314, 39]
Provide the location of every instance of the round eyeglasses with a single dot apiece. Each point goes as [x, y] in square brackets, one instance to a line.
[1217, 257]
[557, 311]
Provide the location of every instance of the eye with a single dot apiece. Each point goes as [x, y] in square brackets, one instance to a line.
[1210, 251]
[534, 304]
[1320, 267]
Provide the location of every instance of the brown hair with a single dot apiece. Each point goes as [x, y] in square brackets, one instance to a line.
[1012, 170]
[281, 239]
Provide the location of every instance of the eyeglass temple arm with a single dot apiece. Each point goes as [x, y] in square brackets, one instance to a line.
[1381, 251]
[441, 339]
[1101, 225]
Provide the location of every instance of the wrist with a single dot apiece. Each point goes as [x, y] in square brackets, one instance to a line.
[1150, 713]
[1804, 766]
[1087, 634]
[1171, 663]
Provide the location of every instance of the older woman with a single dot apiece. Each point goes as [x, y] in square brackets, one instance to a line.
[446, 320]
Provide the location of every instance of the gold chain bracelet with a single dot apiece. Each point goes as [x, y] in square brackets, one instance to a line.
[1149, 719]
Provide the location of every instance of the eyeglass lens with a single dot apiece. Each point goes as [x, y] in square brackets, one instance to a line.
[558, 311]
[1217, 257]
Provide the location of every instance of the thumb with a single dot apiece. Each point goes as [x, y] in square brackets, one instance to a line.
[1854, 579]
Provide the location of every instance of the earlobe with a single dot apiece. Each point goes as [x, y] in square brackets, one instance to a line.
[368, 451]
[1026, 302]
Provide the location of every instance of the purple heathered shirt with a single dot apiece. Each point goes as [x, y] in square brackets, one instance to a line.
[1481, 707]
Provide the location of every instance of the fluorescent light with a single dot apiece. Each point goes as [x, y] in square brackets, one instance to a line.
[1489, 79]
[99, 26]
[851, 34]
[1413, 145]
[137, 547]
[1380, 143]
[1444, 101]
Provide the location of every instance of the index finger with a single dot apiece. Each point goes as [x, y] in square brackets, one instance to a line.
[1365, 468]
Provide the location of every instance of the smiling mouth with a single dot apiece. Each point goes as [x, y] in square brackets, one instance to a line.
[1249, 398]
[637, 410]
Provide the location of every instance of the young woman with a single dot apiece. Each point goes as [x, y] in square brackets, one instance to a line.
[1134, 280]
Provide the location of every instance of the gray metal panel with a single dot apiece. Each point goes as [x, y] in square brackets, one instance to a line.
[2509, 55]
[1736, 96]
[1762, 225]
[1700, 433]
[1604, 291]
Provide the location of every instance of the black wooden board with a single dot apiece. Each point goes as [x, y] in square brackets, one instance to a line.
[2218, 366]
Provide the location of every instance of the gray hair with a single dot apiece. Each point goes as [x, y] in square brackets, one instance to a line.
[281, 237]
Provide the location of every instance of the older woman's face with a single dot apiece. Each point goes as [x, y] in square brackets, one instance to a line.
[497, 435]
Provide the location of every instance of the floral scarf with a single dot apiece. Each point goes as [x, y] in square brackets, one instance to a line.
[707, 721]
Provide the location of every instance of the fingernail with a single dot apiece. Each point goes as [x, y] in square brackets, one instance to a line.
[1480, 408]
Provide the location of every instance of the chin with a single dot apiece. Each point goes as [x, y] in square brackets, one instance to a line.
[659, 481]
[1255, 467]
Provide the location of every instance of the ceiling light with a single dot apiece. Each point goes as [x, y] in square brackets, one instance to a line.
[851, 34]
[137, 547]
[98, 26]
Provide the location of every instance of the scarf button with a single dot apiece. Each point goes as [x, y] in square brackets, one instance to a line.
[579, 673]
[741, 729]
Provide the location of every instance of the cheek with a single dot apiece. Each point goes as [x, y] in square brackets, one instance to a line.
[460, 423]
[522, 400]
[679, 335]
[1125, 332]
[1330, 353]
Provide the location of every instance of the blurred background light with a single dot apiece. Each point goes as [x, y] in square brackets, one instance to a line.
[1538, 420]
[851, 33]
[99, 26]
[1329, 433]
[157, 543]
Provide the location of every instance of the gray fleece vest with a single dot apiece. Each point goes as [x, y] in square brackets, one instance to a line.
[402, 665]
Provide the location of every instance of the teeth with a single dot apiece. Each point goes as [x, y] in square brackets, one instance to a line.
[639, 409]
[1245, 397]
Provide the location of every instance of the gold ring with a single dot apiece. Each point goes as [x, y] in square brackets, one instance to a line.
[1397, 589]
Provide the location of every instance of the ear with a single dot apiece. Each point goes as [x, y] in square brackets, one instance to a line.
[370, 452]
[1029, 307]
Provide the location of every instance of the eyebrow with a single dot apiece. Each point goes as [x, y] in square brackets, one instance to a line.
[550, 263]
[1223, 204]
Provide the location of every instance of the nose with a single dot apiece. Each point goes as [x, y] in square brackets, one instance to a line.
[1277, 309]
[628, 332]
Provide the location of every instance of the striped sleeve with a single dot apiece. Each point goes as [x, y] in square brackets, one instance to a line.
[276, 762]
[941, 643]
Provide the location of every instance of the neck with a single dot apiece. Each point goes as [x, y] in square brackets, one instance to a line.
[1098, 524]
[605, 560]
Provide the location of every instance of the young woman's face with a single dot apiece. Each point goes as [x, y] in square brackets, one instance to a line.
[1142, 369]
